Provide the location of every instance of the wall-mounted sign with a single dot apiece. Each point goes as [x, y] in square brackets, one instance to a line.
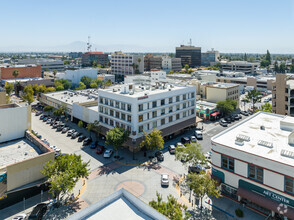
[143, 97]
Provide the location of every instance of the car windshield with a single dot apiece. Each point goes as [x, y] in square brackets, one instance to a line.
[165, 177]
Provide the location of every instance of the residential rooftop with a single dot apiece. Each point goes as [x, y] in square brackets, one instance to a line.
[16, 151]
[263, 134]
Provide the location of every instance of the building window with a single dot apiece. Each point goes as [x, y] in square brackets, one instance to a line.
[129, 118]
[192, 103]
[170, 119]
[117, 114]
[129, 128]
[170, 109]
[141, 107]
[192, 95]
[162, 102]
[178, 107]
[117, 124]
[123, 106]
[123, 116]
[123, 126]
[106, 120]
[154, 124]
[140, 118]
[184, 105]
[177, 98]
[106, 111]
[154, 114]
[177, 116]
[111, 103]
[129, 108]
[111, 122]
[255, 173]
[192, 111]
[163, 111]
[184, 114]
[154, 104]
[101, 109]
[117, 104]
[163, 121]
[101, 119]
[141, 129]
[170, 100]
[106, 101]
[148, 127]
[228, 163]
[101, 100]
[111, 112]
[184, 97]
[289, 185]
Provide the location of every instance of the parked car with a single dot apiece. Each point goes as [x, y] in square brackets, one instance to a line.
[198, 135]
[70, 132]
[228, 120]
[239, 116]
[232, 118]
[38, 113]
[81, 138]
[244, 113]
[236, 117]
[65, 129]
[42, 117]
[223, 123]
[58, 123]
[172, 149]
[179, 145]
[21, 216]
[48, 121]
[108, 153]
[193, 139]
[60, 127]
[75, 135]
[87, 141]
[185, 140]
[196, 168]
[164, 179]
[45, 119]
[38, 212]
[100, 149]
[159, 156]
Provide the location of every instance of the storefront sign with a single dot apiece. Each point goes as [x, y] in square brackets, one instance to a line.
[143, 97]
[266, 193]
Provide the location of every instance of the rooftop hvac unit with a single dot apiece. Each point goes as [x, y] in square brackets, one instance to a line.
[243, 137]
[131, 93]
[265, 143]
[287, 153]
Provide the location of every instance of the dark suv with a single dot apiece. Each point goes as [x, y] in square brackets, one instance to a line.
[38, 212]
[185, 140]
[159, 156]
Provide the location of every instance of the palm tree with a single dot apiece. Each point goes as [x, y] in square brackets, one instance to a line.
[139, 61]
[54, 73]
[134, 67]
[15, 73]
[253, 96]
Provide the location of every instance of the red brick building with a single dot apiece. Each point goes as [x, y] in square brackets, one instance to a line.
[99, 57]
[31, 71]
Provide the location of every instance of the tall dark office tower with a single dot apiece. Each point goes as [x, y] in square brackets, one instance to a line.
[190, 55]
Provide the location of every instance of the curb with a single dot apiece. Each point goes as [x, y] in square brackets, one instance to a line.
[179, 191]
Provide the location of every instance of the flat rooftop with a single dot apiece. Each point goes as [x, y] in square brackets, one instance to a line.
[222, 85]
[205, 104]
[16, 151]
[269, 143]
[71, 97]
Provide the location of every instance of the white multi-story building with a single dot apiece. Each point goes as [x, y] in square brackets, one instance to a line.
[125, 64]
[169, 63]
[254, 162]
[75, 76]
[142, 108]
[240, 66]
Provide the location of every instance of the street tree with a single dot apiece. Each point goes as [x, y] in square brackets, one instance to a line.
[152, 141]
[28, 94]
[291, 68]
[268, 57]
[190, 155]
[8, 88]
[186, 67]
[276, 67]
[139, 61]
[282, 68]
[58, 85]
[171, 209]
[107, 83]
[116, 137]
[48, 108]
[226, 107]
[93, 85]
[54, 73]
[90, 127]
[202, 184]
[267, 107]
[80, 124]
[49, 89]
[81, 86]
[254, 97]
[15, 73]
[64, 172]
[86, 80]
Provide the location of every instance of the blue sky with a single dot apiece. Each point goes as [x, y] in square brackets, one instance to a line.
[152, 25]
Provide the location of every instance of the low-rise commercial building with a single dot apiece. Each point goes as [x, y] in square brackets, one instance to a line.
[137, 109]
[152, 62]
[241, 66]
[24, 71]
[254, 163]
[89, 58]
[46, 64]
[206, 110]
[75, 76]
[106, 77]
[75, 55]
[171, 64]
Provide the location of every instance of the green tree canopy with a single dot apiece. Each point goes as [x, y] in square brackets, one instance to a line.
[186, 67]
[107, 83]
[28, 94]
[49, 89]
[15, 73]
[81, 86]
[254, 97]
[64, 172]
[86, 80]
[54, 73]
[268, 57]
[153, 141]
[171, 209]
[80, 124]
[282, 68]
[190, 155]
[8, 88]
[48, 108]
[93, 85]
[65, 83]
[116, 137]
[202, 184]
[226, 107]
[267, 107]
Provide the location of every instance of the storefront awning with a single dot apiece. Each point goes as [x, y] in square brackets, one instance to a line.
[214, 114]
[217, 179]
[266, 202]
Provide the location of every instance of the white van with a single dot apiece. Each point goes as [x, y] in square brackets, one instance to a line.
[198, 134]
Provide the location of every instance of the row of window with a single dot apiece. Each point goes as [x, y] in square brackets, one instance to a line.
[116, 104]
[113, 123]
[164, 121]
[233, 92]
[116, 114]
[167, 101]
[255, 173]
[163, 111]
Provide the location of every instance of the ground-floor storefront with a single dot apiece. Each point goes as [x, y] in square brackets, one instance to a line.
[260, 199]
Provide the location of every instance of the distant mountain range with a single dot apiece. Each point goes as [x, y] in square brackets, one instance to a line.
[80, 46]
